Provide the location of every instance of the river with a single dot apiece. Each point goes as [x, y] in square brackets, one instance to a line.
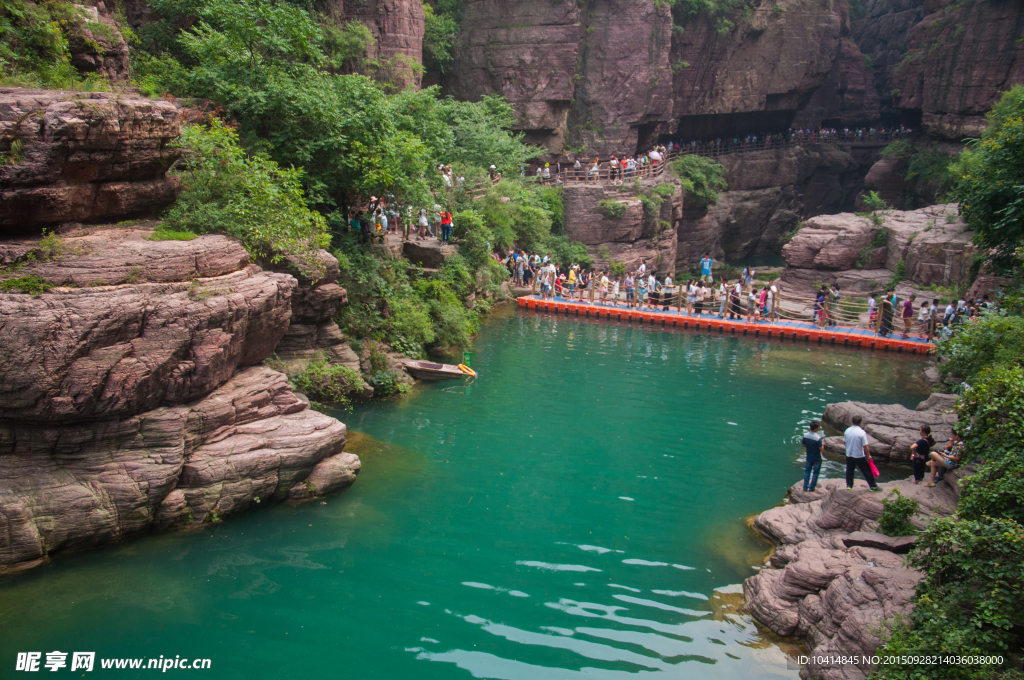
[576, 512]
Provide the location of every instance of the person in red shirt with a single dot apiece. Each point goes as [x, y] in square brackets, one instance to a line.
[446, 227]
[908, 315]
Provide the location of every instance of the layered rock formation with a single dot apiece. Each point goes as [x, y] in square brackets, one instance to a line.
[892, 429]
[769, 192]
[85, 156]
[397, 28]
[134, 399]
[932, 244]
[638, 234]
[833, 580]
[961, 56]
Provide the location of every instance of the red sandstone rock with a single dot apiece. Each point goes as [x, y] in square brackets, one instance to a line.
[933, 243]
[82, 484]
[397, 27]
[892, 428]
[626, 239]
[85, 156]
[113, 351]
[834, 596]
[961, 58]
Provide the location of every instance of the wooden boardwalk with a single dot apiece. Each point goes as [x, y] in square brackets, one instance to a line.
[796, 331]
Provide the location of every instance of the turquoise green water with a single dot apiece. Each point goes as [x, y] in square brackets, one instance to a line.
[576, 512]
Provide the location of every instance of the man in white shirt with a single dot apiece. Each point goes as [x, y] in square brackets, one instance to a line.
[858, 454]
[547, 280]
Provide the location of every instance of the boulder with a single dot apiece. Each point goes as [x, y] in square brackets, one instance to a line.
[96, 43]
[891, 428]
[430, 253]
[328, 476]
[86, 257]
[86, 156]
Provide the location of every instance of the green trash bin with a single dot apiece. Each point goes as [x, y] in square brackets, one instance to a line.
[467, 358]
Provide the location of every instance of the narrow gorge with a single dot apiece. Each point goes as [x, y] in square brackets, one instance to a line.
[228, 226]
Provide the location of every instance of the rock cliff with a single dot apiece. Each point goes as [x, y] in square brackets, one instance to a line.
[960, 57]
[134, 398]
[769, 192]
[397, 28]
[833, 580]
[644, 231]
[85, 156]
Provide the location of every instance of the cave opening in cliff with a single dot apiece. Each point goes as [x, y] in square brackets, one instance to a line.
[712, 126]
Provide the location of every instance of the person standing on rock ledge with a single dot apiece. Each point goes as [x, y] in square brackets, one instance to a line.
[858, 454]
[812, 443]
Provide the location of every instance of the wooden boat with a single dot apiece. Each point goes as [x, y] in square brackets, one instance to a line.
[427, 370]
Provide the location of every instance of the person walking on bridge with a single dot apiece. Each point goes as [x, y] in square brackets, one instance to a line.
[705, 269]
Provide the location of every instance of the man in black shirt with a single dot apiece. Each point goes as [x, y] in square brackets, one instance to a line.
[812, 443]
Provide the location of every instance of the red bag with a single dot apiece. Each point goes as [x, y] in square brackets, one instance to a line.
[874, 468]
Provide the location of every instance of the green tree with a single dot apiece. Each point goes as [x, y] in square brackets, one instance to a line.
[990, 186]
[251, 198]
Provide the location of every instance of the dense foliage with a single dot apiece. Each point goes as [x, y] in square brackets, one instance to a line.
[990, 187]
[897, 510]
[248, 197]
[34, 39]
[971, 598]
[976, 346]
[702, 178]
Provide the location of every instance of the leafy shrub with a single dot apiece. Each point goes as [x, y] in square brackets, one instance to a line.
[970, 598]
[994, 406]
[988, 174]
[613, 209]
[997, 490]
[386, 383]
[411, 321]
[439, 33]
[617, 268]
[564, 251]
[975, 346]
[30, 285]
[896, 514]
[251, 198]
[324, 382]
[702, 178]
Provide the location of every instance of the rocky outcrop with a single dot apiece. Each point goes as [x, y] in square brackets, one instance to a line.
[833, 580]
[638, 234]
[397, 28]
[933, 245]
[96, 43]
[892, 429]
[133, 398]
[85, 156]
[769, 193]
[961, 57]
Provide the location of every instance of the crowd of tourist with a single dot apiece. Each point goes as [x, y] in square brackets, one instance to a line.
[383, 218]
[616, 169]
[640, 288]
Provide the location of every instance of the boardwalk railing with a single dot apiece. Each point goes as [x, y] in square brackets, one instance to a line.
[605, 174]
